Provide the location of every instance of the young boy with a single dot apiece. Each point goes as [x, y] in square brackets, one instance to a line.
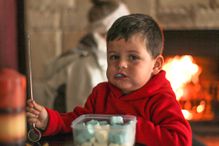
[136, 85]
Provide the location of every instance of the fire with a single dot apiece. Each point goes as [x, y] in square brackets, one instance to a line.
[183, 74]
[201, 107]
[187, 114]
[180, 71]
[193, 95]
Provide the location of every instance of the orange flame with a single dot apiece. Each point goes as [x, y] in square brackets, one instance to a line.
[180, 71]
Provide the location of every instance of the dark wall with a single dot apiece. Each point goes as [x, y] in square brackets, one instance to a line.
[21, 36]
[202, 43]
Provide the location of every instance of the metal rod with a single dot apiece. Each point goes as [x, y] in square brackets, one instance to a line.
[34, 134]
[29, 68]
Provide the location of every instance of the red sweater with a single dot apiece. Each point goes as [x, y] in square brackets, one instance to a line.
[159, 118]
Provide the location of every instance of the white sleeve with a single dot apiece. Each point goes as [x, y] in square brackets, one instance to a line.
[56, 74]
[85, 74]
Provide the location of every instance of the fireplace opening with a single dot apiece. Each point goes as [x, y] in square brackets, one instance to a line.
[195, 84]
[192, 66]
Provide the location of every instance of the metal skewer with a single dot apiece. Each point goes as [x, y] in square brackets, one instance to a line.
[29, 68]
[34, 134]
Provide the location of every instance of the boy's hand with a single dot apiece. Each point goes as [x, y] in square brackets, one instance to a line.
[36, 114]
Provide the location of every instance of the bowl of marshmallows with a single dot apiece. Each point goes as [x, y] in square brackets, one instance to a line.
[104, 130]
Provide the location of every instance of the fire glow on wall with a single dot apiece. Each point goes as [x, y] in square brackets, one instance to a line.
[195, 100]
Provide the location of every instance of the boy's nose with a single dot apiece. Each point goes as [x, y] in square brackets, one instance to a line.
[122, 64]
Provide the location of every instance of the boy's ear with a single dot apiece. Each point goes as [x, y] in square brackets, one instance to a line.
[159, 61]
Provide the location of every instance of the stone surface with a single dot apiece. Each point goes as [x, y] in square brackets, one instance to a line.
[57, 25]
[44, 46]
[43, 20]
[70, 39]
[207, 18]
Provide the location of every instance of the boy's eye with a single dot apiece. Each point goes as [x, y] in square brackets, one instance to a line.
[133, 57]
[113, 57]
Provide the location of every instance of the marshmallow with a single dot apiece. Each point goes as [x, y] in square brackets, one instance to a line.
[86, 144]
[116, 120]
[101, 136]
[100, 144]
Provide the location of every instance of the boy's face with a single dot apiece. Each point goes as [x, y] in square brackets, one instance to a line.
[130, 65]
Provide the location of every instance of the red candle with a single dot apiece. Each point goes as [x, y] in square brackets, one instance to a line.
[12, 107]
[12, 89]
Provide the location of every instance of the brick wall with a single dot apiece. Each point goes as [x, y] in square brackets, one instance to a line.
[56, 25]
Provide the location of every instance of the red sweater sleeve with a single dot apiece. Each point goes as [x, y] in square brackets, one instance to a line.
[61, 122]
[166, 126]
[56, 122]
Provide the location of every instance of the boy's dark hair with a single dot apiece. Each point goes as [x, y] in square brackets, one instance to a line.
[127, 26]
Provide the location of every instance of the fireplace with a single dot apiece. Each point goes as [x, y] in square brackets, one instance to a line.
[199, 97]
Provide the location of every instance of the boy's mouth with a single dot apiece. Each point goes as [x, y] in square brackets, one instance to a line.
[120, 75]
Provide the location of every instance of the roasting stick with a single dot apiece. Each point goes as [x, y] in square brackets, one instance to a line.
[29, 68]
[34, 134]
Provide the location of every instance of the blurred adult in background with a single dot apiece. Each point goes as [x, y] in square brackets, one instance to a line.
[71, 76]
[90, 70]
